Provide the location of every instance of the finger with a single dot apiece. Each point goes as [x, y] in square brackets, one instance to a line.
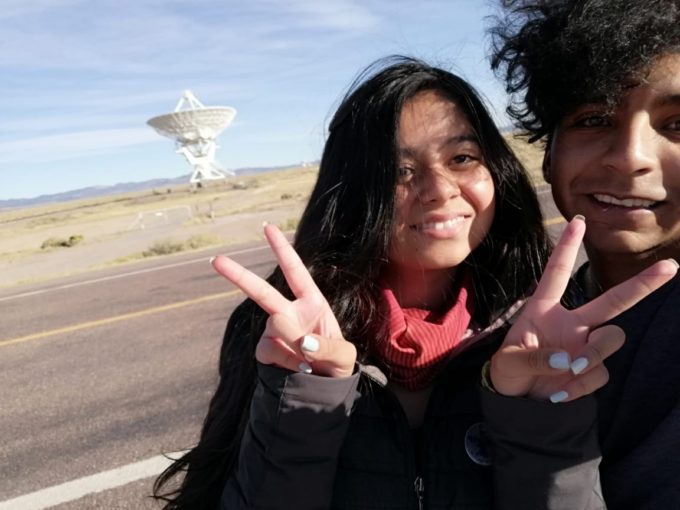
[257, 289]
[626, 294]
[513, 368]
[582, 385]
[281, 326]
[298, 277]
[602, 343]
[273, 351]
[329, 357]
[561, 263]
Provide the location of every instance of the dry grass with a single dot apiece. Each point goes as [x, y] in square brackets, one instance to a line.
[531, 156]
[25, 229]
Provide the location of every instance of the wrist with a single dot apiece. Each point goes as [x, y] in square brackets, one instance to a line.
[486, 377]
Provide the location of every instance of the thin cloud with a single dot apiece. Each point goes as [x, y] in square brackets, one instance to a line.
[333, 14]
[74, 145]
[13, 9]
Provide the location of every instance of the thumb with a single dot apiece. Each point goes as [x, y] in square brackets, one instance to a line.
[513, 368]
[332, 358]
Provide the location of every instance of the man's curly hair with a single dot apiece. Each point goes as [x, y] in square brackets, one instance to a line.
[555, 55]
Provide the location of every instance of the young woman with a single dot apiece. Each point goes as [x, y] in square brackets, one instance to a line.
[359, 357]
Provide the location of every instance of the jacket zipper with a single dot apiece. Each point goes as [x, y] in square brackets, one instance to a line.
[419, 487]
[419, 483]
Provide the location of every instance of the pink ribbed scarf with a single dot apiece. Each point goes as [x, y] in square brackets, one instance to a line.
[421, 341]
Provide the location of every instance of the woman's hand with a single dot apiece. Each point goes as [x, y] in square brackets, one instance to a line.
[552, 352]
[300, 335]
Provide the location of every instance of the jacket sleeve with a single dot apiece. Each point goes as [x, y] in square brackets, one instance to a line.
[545, 456]
[290, 447]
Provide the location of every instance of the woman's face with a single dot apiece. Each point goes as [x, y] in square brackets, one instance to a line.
[444, 203]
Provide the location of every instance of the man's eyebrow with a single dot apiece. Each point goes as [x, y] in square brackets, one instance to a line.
[668, 100]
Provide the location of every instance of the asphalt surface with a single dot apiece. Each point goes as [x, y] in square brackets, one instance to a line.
[108, 368]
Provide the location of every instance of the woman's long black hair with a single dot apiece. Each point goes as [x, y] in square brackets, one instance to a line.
[343, 238]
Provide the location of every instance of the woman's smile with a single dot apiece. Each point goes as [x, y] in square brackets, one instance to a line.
[443, 229]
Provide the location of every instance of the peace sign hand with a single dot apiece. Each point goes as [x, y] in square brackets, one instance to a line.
[535, 359]
[300, 335]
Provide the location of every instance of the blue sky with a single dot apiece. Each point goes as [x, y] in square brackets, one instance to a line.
[80, 78]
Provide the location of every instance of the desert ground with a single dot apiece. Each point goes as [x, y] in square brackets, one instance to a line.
[123, 229]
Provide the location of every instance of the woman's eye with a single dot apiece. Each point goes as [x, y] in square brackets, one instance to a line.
[461, 159]
[404, 173]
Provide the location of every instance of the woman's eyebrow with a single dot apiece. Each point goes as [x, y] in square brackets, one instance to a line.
[467, 137]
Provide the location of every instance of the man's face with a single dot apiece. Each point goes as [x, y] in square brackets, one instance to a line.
[621, 169]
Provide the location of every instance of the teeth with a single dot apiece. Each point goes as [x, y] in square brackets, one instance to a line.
[441, 225]
[626, 202]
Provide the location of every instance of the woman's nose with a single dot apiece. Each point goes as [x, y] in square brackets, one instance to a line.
[438, 185]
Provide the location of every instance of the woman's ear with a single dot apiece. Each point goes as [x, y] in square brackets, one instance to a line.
[546, 163]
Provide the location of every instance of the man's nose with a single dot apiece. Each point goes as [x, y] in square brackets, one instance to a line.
[633, 146]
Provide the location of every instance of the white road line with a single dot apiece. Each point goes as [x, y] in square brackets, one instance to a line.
[76, 489]
[125, 275]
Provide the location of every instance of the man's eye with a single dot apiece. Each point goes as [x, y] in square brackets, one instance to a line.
[592, 121]
[674, 125]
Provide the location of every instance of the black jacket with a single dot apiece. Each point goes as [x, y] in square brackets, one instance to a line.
[319, 443]
[639, 408]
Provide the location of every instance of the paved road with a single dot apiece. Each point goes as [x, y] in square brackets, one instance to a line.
[108, 369]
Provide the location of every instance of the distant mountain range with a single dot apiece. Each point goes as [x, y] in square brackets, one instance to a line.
[123, 187]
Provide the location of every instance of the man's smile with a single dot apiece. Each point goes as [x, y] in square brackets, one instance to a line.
[633, 203]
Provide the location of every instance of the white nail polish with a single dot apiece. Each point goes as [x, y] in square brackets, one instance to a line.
[579, 365]
[559, 397]
[559, 360]
[305, 368]
[212, 259]
[309, 344]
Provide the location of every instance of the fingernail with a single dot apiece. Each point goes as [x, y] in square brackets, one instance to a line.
[674, 262]
[305, 368]
[559, 360]
[580, 217]
[559, 397]
[265, 223]
[309, 344]
[212, 259]
[579, 365]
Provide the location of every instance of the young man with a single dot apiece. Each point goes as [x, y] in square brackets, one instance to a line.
[599, 82]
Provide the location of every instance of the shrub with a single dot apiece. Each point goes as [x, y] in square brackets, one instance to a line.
[168, 246]
[58, 242]
[289, 224]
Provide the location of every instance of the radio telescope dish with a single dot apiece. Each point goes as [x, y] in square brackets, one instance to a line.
[194, 128]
